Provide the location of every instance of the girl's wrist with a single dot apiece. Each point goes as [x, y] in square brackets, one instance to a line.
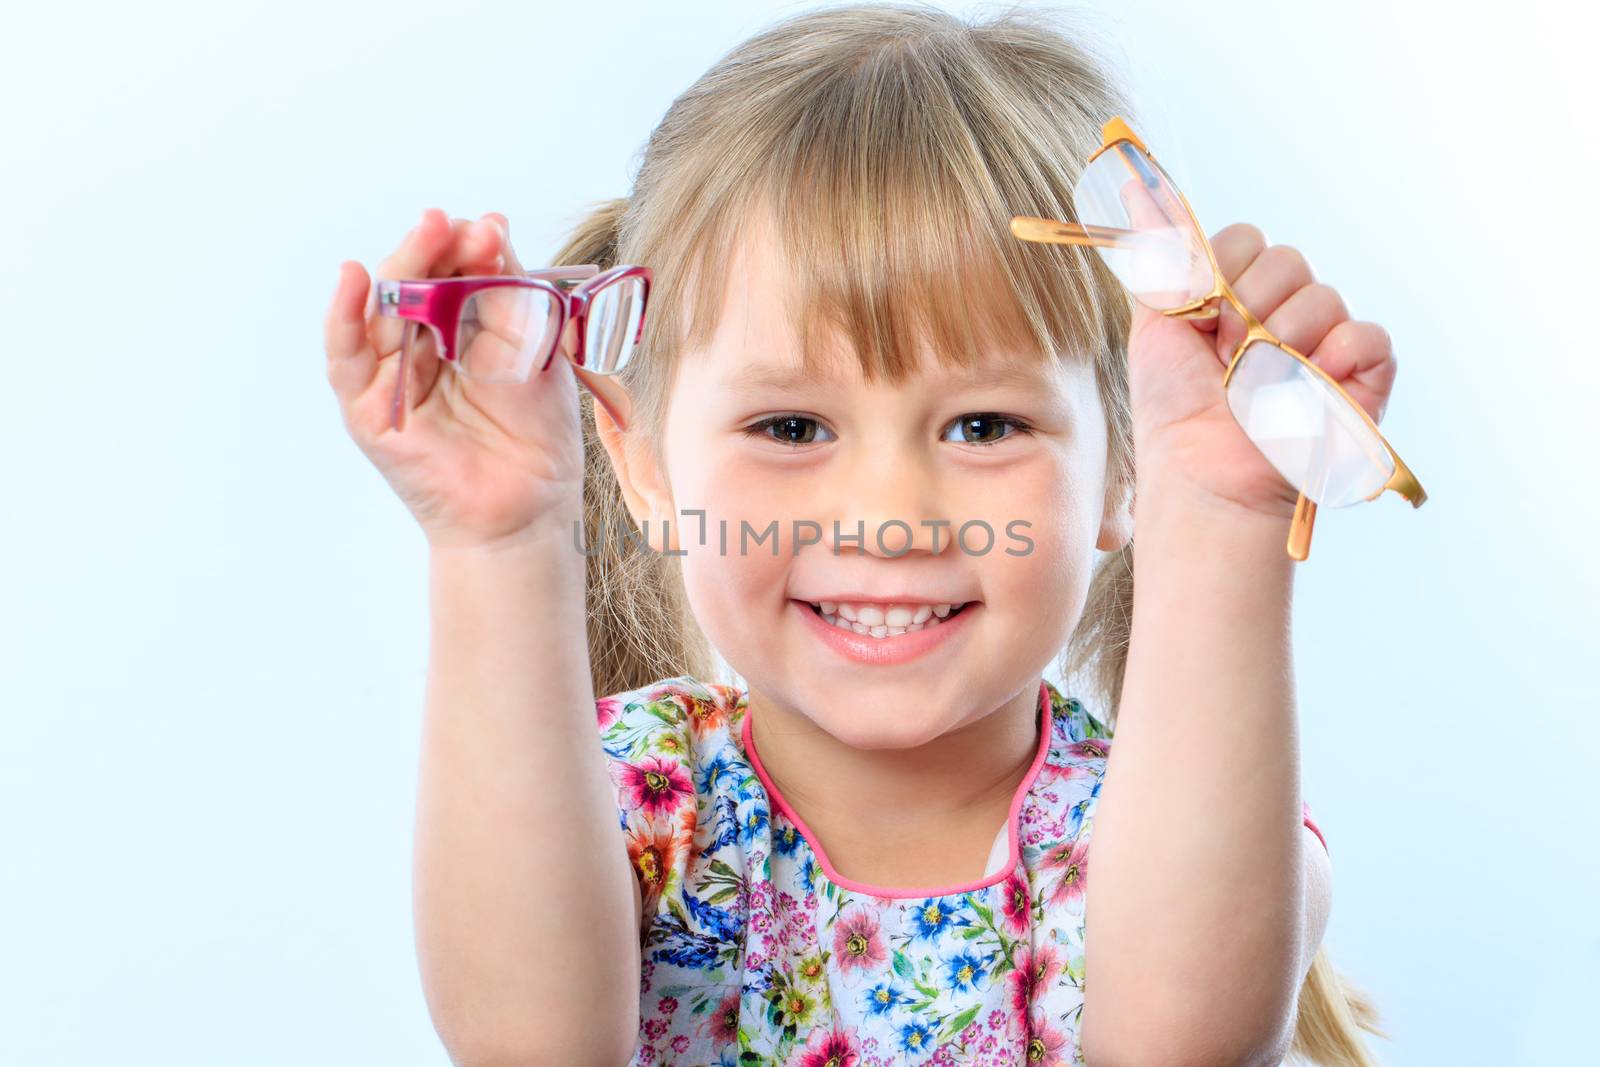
[544, 555]
[534, 584]
[553, 530]
[1163, 481]
[1186, 520]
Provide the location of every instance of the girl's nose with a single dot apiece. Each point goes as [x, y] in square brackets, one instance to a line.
[888, 504]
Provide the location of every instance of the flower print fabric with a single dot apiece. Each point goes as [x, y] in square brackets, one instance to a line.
[757, 951]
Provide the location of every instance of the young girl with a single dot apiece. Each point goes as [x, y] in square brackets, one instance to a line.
[877, 850]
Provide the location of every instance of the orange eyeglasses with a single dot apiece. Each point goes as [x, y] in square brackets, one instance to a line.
[1316, 435]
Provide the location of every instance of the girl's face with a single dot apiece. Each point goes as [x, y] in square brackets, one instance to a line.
[1014, 450]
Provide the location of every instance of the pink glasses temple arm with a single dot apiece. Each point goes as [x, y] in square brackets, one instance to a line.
[564, 274]
[389, 289]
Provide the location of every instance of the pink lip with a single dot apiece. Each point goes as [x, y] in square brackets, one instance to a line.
[884, 651]
[863, 598]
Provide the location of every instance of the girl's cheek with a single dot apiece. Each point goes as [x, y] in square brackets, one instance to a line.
[729, 564]
[1043, 554]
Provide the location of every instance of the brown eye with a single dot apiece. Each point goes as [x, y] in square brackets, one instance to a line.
[985, 428]
[787, 429]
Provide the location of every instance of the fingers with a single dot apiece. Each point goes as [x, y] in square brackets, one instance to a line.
[414, 258]
[419, 249]
[358, 339]
[1278, 284]
[510, 264]
[351, 360]
[1261, 276]
[437, 247]
[503, 312]
[1271, 278]
[474, 248]
[1305, 318]
[1236, 247]
[1360, 357]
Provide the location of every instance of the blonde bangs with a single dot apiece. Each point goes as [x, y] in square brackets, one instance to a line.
[889, 194]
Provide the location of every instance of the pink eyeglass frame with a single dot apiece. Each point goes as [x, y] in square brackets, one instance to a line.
[437, 302]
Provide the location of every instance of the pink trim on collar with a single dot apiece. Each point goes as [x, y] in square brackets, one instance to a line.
[1014, 853]
[1305, 817]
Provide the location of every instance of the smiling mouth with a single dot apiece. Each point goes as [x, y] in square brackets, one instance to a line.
[886, 620]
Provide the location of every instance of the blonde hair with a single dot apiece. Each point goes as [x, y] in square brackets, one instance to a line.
[889, 145]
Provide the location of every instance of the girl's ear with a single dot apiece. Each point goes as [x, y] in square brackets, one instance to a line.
[644, 487]
[1116, 522]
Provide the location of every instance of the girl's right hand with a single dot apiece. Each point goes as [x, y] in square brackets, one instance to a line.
[478, 464]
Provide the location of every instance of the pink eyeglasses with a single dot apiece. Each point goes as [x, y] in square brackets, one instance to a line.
[494, 328]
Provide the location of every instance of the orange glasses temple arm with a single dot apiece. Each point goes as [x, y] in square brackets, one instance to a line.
[1050, 231]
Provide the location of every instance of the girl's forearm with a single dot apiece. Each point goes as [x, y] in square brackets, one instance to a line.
[1194, 876]
[524, 897]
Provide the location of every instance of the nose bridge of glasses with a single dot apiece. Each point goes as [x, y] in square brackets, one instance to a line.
[569, 338]
[1208, 307]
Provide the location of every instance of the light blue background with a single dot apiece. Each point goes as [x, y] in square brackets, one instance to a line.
[214, 610]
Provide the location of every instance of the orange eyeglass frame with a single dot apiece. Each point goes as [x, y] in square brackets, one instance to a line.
[1052, 231]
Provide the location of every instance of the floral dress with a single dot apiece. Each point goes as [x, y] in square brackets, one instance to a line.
[757, 951]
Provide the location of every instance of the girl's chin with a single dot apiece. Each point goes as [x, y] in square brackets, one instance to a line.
[875, 722]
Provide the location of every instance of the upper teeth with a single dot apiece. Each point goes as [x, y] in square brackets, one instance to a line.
[884, 620]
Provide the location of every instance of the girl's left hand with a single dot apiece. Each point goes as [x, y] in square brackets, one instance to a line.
[1182, 424]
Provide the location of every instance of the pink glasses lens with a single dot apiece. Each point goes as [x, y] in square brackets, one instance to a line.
[505, 332]
[613, 327]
